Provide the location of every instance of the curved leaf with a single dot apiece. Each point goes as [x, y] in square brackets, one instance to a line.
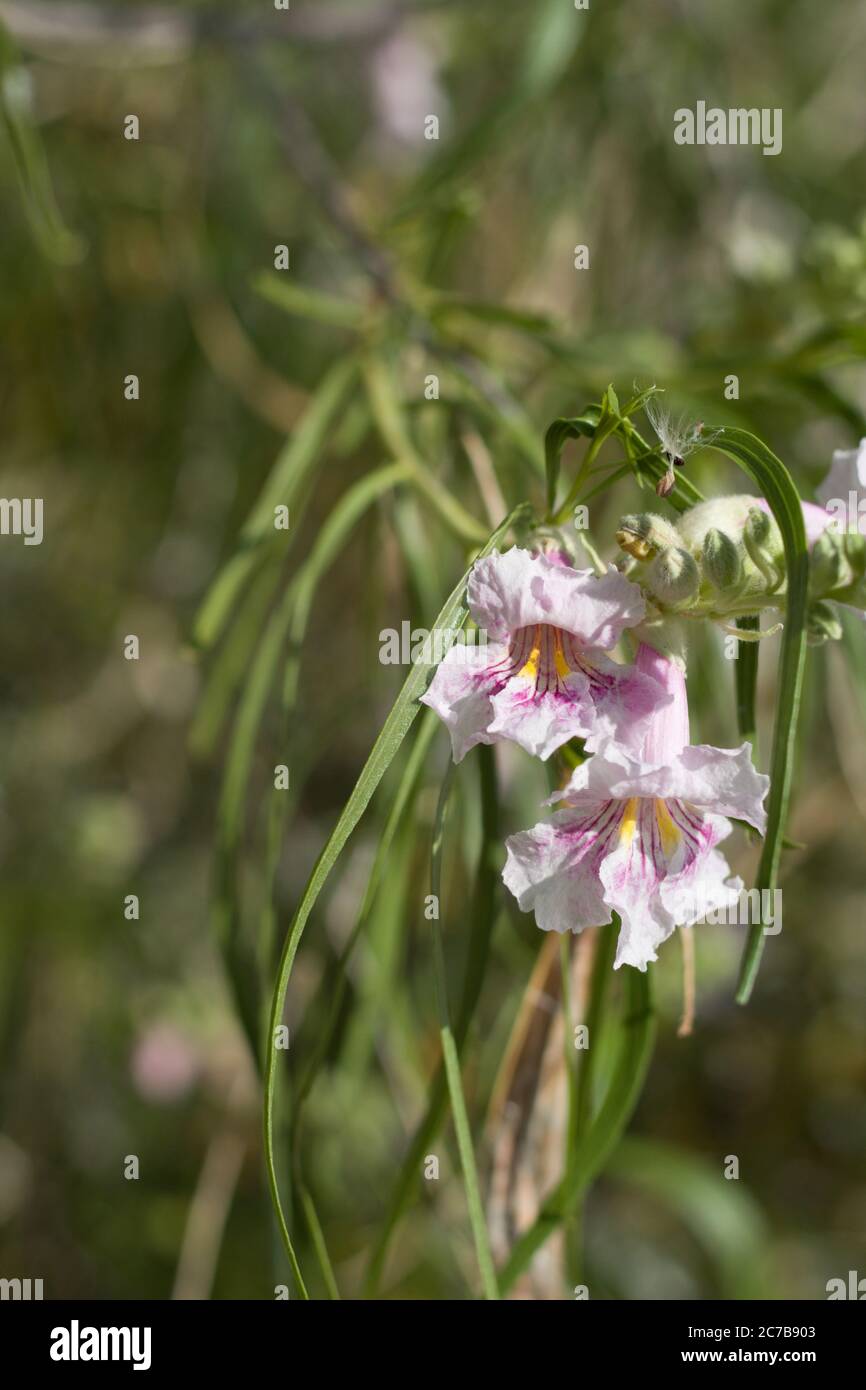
[452, 617]
[282, 486]
[777, 486]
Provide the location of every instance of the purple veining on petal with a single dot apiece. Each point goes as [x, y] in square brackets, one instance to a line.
[639, 839]
[545, 676]
[514, 590]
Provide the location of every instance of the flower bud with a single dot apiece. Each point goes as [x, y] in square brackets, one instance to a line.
[763, 541]
[823, 625]
[644, 534]
[722, 563]
[828, 563]
[855, 552]
[674, 576]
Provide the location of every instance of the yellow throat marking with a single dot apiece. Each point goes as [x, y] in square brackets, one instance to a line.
[628, 824]
[668, 829]
[529, 669]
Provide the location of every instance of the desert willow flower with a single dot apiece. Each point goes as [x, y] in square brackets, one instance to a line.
[638, 833]
[543, 676]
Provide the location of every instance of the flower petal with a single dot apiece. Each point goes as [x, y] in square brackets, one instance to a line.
[519, 589]
[720, 780]
[460, 693]
[541, 723]
[663, 849]
[552, 870]
[704, 886]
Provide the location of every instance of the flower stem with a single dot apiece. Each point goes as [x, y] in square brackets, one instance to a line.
[635, 1050]
[580, 1117]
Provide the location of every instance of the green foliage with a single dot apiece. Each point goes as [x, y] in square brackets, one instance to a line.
[307, 389]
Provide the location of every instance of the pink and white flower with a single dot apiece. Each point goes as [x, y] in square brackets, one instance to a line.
[542, 677]
[639, 833]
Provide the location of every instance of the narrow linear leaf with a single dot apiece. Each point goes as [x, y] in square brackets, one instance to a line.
[481, 919]
[288, 619]
[53, 237]
[451, 1060]
[334, 984]
[779, 489]
[393, 428]
[307, 303]
[452, 617]
[282, 488]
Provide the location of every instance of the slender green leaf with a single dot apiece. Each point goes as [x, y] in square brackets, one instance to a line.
[53, 237]
[308, 303]
[334, 984]
[452, 616]
[282, 488]
[390, 419]
[288, 619]
[777, 486]
[451, 1059]
[481, 918]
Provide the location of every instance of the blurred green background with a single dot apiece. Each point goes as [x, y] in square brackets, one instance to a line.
[408, 257]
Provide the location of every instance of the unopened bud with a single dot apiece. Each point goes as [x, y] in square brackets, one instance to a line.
[828, 564]
[855, 551]
[722, 563]
[674, 576]
[643, 534]
[763, 541]
[823, 624]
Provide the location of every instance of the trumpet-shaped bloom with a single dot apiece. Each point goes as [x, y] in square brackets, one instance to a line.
[638, 835]
[542, 677]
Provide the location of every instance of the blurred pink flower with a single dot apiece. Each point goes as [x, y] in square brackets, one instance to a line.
[165, 1064]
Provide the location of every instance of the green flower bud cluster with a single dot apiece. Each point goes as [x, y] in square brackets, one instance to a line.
[721, 559]
[726, 558]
